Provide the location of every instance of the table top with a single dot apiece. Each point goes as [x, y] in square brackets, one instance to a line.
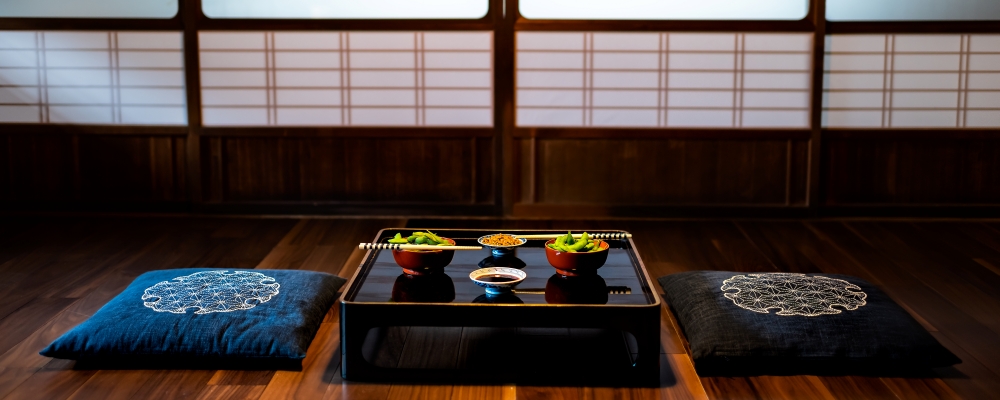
[380, 280]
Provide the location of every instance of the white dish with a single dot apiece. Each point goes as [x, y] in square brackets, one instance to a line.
[485, 277]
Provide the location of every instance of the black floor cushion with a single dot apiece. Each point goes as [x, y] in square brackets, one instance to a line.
[782, 323]
[205, 318]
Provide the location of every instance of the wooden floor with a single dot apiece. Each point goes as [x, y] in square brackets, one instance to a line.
[57, 271]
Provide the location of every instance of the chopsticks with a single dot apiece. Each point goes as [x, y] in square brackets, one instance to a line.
[395, 246]
[611, 290]
[599, 235]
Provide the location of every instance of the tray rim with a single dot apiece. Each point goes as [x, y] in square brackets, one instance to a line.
[643, 275]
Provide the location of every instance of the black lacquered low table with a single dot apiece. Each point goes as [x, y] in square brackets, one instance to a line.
[620, 299]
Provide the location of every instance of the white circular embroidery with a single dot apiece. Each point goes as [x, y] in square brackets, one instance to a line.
[211, 291]
[793, 294]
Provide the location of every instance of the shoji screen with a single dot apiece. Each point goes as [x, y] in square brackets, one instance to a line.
[912, 10]
[89, 8]
[912, 81]
[380, 9]
[664, 79]
[665, 9]
[106, 77]
[347, 78]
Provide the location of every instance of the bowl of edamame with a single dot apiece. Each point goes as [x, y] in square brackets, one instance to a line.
[423, 262]
[574, 257]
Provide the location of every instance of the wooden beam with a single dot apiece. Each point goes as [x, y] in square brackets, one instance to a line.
[814, 184]
[191, 13]
[504, 49]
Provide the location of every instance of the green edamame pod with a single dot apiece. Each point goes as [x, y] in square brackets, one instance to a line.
[560, 240]
[420, 240]
[580, 244]
[597, 246]
[435, 238]
[569, 238]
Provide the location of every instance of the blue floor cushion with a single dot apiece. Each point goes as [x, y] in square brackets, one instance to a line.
[784, 323]
[205, 318]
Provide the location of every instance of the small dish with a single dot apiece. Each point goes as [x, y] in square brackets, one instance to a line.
[576, 264]
[501, 251]
[498, 280]
[424, 262]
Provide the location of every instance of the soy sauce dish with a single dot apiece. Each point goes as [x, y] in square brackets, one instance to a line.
[497, 280]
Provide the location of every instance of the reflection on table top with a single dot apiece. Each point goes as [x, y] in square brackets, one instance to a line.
[385, 282]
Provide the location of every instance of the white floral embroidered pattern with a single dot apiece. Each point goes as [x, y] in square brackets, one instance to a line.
[211, 291]
[793, 294]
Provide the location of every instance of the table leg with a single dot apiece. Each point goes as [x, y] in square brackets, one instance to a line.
[353, 365]
[647, 361]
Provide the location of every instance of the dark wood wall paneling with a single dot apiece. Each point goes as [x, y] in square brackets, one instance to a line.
[912, 171]
[349, 169]
[67, 167]
[38, 167]
[612, 176]
[520, 171]
[132, 168]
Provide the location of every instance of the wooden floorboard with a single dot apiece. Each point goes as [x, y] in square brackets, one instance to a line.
[973, 342]
[59, 270]
[857, 387]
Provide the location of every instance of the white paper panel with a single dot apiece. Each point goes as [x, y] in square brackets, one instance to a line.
[665, 9]
[912, 10]
[133, 78]
[906, 81]
[347, 78]
[729, 80]
[346, 9]
[89, 8]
